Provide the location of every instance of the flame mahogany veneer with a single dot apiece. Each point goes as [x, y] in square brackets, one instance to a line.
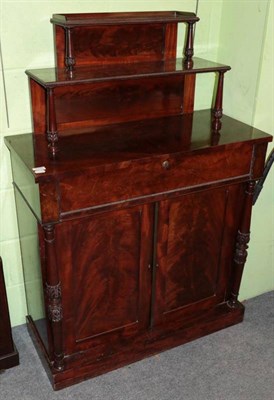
[135, 235]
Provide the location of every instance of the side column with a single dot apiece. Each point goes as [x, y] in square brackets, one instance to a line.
[242, 240]
[217, 110]
[188, 49]
[69, 58]
[52, 133]
[53, 297]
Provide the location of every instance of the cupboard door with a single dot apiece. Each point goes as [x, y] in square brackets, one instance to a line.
[105, 277]
[195, 240]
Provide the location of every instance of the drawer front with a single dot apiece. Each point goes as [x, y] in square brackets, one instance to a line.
[151, 176]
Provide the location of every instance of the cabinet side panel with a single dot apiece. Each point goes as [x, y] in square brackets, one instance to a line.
[24, 181]
[59, 41]
[258, 161]
[170, 41]
[189, 93]
[38, 102]
[29, 243]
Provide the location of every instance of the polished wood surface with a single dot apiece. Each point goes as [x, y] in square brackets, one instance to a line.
[113, 295]
[80, 98]
[8, 354]
[142, 209]
[83, 106]
[53, 77]
[101, 147]
[178, 259]
[143, 17]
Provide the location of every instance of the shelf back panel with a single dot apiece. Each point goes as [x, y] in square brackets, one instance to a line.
[104, 103]
[97, 45]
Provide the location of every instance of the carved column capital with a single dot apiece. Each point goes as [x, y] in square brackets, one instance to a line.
[53, 292]
[70, 62]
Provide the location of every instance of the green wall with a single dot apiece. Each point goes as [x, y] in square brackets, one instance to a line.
[225, 33]
[246, 43]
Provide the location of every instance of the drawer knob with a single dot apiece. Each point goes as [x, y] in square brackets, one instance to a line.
[165, 164]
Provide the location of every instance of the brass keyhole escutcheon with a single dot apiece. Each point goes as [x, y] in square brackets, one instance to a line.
[165, 164]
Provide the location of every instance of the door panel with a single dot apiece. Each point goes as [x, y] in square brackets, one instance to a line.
[192, 251]
[107, 275]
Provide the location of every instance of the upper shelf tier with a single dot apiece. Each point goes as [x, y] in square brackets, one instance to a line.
[71, 20]
[96, 38]
[52, 77]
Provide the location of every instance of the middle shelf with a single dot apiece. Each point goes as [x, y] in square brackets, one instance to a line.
[63, 100]
[54, 77]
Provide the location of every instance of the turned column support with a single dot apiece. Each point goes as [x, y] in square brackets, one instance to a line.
[217, 110]
[53, 297]
[52, 134]
[69, 58]
[242, 240]
[188, 50]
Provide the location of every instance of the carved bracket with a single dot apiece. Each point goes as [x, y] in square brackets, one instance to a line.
[241, 247]
[53, 292]
[70, 62]
[52, 137]
[55, 312]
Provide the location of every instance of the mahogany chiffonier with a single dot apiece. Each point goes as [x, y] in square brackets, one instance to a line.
[9, 356]
[133, 209]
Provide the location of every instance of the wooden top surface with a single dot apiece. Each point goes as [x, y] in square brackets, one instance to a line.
[103, 147]
[52, 77]
[122, 18]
